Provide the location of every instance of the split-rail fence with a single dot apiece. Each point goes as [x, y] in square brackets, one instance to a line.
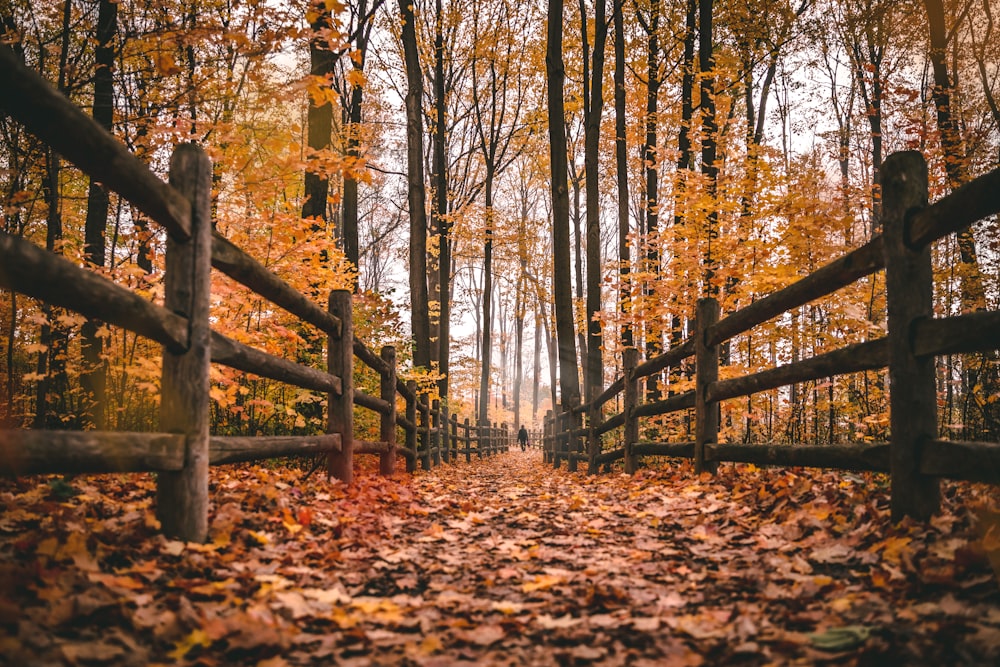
[915, 457]
[183, 449]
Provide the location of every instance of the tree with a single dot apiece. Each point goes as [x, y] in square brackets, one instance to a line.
[53, 383]
[973, 294]
[320, 115]
[439, 211]
[592, 109]
[650, 24]
[352, 96]
[416, 196]
[709, 168]
[569, 382]
[621, 170]
[94, 378]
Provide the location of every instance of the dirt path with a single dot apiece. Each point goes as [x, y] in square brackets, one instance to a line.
[497, 562]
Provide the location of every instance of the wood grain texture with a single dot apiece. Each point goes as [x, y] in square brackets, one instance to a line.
[706, 410]
[78, 452]
[387, 420]
[340, 408]
[182, 496]
[909, 298]
[235, 449]
[837, 457]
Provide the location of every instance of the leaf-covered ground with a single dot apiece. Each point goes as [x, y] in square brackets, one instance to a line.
[499, 562]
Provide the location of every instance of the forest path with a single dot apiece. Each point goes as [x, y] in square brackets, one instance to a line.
[502, 561]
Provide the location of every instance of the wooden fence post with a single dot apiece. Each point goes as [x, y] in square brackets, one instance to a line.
[411, 433]
[557, 431]
[340, 363]
[706, 414]
[445, 433]
[387, 426]
[182, 496]
[564, 424]
[468, 441]
[573, 442]
[594, 419]
[547, 429]
[454, 438]
[630, 359]
[909, 297]
[435, 425]
[425, 434]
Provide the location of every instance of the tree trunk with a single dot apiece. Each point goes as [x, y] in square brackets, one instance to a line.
[420, 322]
[536, 370]
[443, 225]
[650, 158]
[708, 142]
[973, 293]
[621, 170]
[562, 286]
[487, 345]
[576, 178]
[319, 119]
[352, 129]
[593, 107]
[518, 344]
[685, 155]
[94, 376]
[54, 383]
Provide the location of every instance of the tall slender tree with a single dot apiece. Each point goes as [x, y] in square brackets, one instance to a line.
[94, 377]
[621, 171]
[555, 71]
[650, 23]
[53, 386]
[351, 85]
[592, 112]
[319, 119]
[973, 293]
[416, 195]
[709, 168]
[440, 218]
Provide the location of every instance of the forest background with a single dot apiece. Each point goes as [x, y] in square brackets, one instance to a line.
[568, 202]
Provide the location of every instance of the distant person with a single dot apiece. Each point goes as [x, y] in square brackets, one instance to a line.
[522, 438]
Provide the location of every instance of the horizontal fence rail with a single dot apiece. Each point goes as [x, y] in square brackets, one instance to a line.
[915, 458]
[182, 452]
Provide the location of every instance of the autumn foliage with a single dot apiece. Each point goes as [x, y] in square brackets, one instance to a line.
[502, 561]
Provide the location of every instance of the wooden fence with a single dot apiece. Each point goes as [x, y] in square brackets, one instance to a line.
[183, 449]
[915, 457]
